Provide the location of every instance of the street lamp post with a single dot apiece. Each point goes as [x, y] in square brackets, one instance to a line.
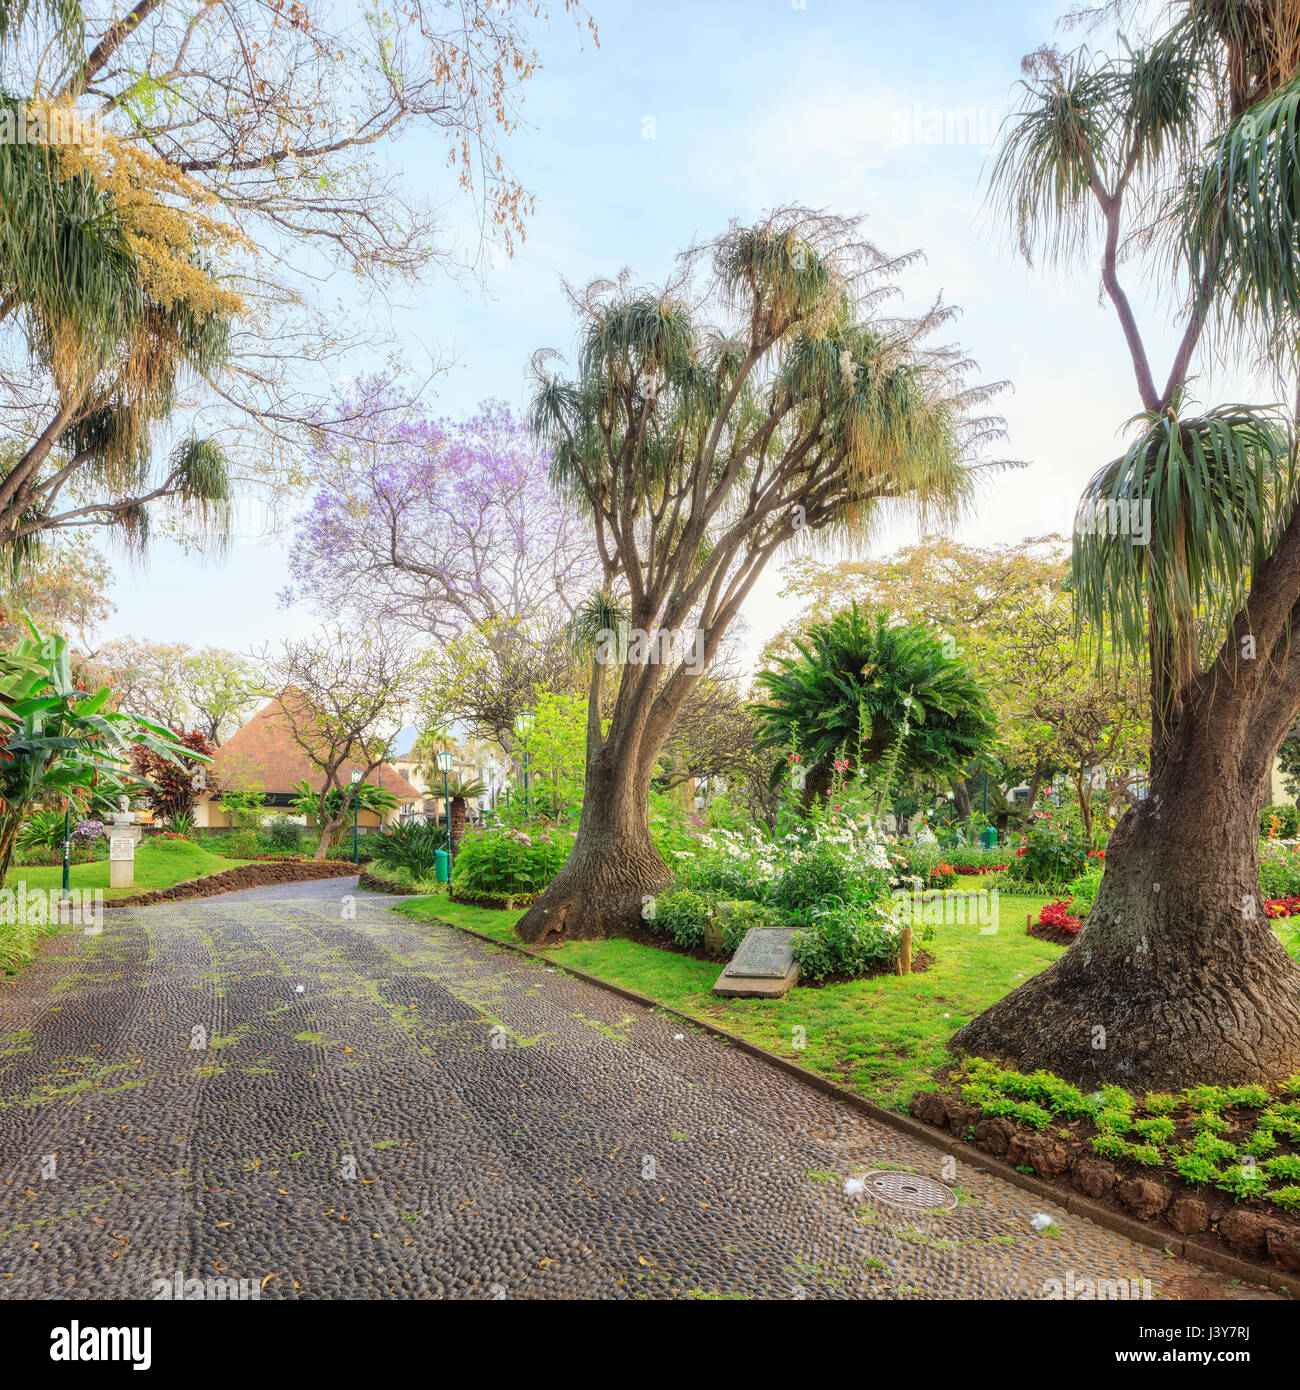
[445, 761]
[524, 728]
[65, 898]
[356, 778]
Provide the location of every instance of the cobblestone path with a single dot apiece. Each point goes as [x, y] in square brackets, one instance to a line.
[298, 1088]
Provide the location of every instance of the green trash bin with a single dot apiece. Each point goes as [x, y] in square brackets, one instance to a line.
[988, 837]
[440, 865]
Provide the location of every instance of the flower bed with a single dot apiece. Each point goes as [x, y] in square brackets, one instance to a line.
[1221, 1164]
[832, 881]
[232, 880]
[1056, 923]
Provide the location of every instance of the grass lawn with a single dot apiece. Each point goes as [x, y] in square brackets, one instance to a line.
[158, 864]
[881, 1037]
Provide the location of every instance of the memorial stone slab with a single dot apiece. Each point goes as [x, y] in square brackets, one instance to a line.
[763, 966]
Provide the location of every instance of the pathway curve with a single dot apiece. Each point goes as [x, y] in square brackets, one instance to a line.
[296, 1087]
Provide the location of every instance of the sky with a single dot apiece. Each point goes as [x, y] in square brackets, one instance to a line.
[694, 112]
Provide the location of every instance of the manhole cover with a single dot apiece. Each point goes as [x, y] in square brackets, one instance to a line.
[909, 1190]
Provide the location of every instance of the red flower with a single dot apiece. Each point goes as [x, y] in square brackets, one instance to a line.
[1057, 914]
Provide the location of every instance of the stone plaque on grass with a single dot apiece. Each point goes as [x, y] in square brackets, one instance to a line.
[764, 965]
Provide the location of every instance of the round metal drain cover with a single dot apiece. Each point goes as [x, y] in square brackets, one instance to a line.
[910, 1190]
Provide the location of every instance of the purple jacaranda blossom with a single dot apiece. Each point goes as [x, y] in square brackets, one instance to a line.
[437, 526]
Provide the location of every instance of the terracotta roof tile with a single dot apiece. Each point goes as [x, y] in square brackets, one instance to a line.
[265, 748]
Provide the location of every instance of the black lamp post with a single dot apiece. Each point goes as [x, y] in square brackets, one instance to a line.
[356, 779]
[524, 728]
[65, 898]
[444, 765]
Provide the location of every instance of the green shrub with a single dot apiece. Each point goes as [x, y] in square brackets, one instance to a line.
[844, 939]
[170, 843]
[1215, 1149]
[1157, 1130]
[682, 915]
[42, 831]
[410, 847]
[1083, 890]
[808, 880]
[1279, 870]
[1109, 1145]
[1280, 822]
[236, 844]
[730, 866]
[1054, 852]
[1284, 1166]
[932, 865]
[1195, 1168]
[1241, 1182]
[1288, 1198]
[512, 863]
[282, 835]
[1261, 1143]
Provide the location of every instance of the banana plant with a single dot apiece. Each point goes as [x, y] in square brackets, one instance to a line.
[60, 743]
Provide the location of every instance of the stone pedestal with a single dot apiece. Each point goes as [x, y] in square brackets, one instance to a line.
[124, 833]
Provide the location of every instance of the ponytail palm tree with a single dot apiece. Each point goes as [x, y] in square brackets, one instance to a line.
[1187, 548]
[704, 429]
[856, 683]
[116, 305]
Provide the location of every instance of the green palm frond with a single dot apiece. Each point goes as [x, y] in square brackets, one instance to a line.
[858, 680]
[595, 617]
[1215, 490]
[1241, 222]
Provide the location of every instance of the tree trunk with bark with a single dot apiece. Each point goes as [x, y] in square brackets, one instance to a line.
[1177, 977]
[329, 837]
[614, 867]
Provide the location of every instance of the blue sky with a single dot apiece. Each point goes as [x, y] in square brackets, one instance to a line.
[750, 104]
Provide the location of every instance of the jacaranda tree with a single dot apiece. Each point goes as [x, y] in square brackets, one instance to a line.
[707, 427]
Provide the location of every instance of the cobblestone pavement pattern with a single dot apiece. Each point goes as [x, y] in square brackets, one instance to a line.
[297, 1087]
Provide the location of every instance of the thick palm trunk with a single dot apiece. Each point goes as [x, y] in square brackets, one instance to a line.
[1178, 976]
[614, 865]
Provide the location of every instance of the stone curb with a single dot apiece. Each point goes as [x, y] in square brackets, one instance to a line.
[918, 1129]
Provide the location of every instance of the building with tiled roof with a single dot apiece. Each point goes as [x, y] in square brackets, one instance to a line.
[265, 749]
